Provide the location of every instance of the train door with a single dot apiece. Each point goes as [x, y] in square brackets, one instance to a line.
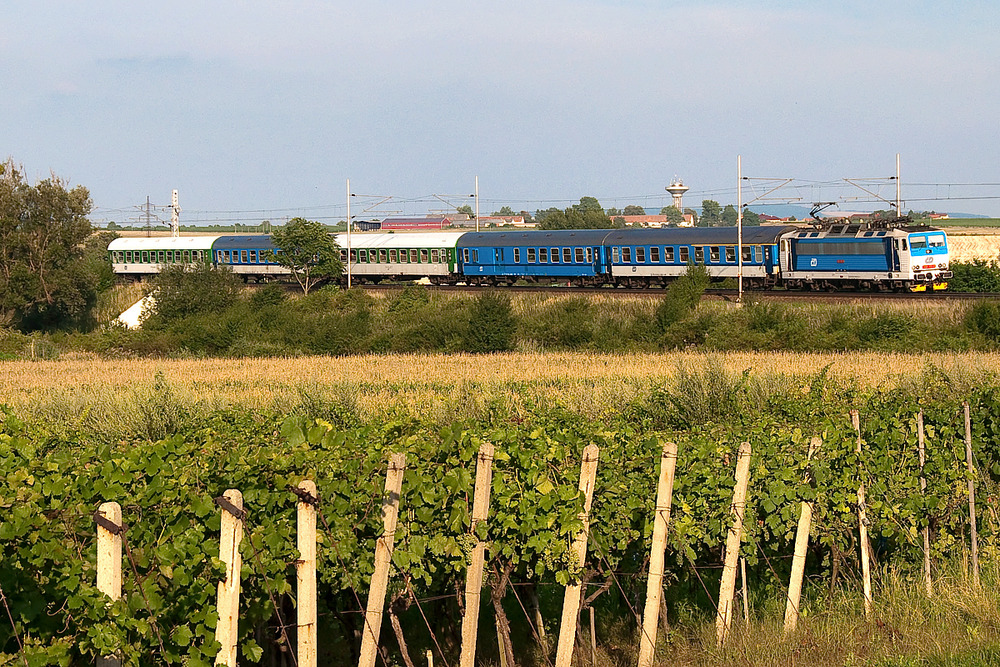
[769, 259]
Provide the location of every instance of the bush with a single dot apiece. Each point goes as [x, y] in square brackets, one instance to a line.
[682, 296]
[491, 324]
[984, 318]
[182, 290]
[979, 275]
[563, 323]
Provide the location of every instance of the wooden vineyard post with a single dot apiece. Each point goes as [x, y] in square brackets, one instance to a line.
[474, 578]
[727, 587]
[383, 557]
[654, 584]
[109, 560]
[571, 598]
[799, 559]
[923, 489]
[305, 573]
[972, 496]
[866, 567]
[231, 503]
[743, 582]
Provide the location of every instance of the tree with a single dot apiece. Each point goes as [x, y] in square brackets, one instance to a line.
[674, 216]
[43, 283]
[181, 290]
[750, 218]
[506, 210]
[467, 210]
[710, 213]
[633, 209]
[308, 250]
[492, 324]
[588, 204]
[729, 216]
[612, 212]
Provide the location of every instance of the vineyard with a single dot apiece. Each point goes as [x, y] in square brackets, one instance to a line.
[52, 481]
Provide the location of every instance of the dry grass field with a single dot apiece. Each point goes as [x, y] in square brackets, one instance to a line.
[108, 392]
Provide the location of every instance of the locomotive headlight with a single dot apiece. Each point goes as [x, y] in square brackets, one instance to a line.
[943, 266]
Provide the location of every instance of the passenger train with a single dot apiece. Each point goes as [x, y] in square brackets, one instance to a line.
[852, 255]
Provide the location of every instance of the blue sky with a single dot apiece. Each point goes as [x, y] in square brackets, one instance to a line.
[258, 110]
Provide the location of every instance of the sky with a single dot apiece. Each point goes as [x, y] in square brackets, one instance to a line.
[264, 110]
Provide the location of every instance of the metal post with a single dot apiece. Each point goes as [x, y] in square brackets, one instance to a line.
[477, 203]
[348, 233]
[739, 226]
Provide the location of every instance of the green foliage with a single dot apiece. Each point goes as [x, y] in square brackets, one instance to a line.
[633, 209]
[44, 281]
[491, 324]
[682, 296]
[711, 213]
[674, 215]
[978, 275]
[308, 250]
[182, 290]
[984, 318]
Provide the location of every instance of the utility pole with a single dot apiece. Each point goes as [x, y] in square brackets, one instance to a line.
[348, 233]
[477, 203]
[739, 227]
[175, 216]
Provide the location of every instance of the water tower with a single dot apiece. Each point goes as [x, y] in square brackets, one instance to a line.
[677, 190]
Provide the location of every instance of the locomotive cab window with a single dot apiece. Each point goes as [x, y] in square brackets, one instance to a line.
[919, 242]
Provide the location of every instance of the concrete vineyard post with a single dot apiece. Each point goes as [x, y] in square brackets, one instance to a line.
[229, 588]
[866, 568]
[926, 532]
[305, 574]
[974, 536]
[727, 588]
[109, 560]
[799, 558]
[474, 578]
[654, 584]
[383, 558]
[571, 598]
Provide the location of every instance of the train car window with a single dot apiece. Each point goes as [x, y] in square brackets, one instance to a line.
[161, 256]
[685, 254]
[699, 254]
[497, 255]
[730, 254]
[343, 255]
[567, 255]
[413, 256]
[364, 256]
[424, 256]
[531, 255]
[747, 253]
[475, 256]
[517, 255]
[354, 256]
[616, 255]
[579, 255]
[640, 255]
[543, 255]
[626, 255]
[904, 244]
[243, 256]
[435, 256]
[383, 256]
[654, 254]
[145, 257]
[590, 255]
[555, 255]
[668, 254]
[758, 254]
[394, 256]
[713, 253]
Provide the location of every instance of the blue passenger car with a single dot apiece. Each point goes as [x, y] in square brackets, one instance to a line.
[641, 257]
[247, 256]
[574, 256]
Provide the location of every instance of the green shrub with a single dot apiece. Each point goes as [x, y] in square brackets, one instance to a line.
[562, 323]
[984, 318]
[182, 290]
[491, 324]
[682, 296]
[979, 275]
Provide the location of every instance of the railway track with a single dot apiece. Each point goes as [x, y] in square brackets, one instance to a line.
[722, 294]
